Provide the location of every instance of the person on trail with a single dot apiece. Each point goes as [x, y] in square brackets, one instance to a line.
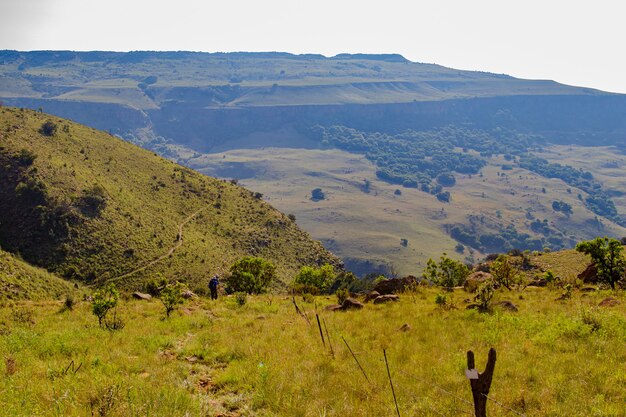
[213, 284]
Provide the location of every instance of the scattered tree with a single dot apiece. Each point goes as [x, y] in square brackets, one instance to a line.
[103, 301]
[251, 275]
[317, 194]
[606, 255]
[314, 280]
[49, 128]
[171, 296]
[504, 272]
[447, 273]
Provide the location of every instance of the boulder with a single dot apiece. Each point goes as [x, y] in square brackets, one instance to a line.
[395, 285]
[188, 294]
[348, 304]
[405, 327]
[538, 282]
[474, 280]
[141, 296]
[507, 305]
[370, 296]
[608, 302]
[589, 275]
[386, 298]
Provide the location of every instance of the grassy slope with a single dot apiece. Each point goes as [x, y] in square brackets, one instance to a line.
[214, 358]
[20, 281]
[362, 226]
[148, 198]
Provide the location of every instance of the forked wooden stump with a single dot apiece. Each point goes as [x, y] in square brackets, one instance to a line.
[480, 382]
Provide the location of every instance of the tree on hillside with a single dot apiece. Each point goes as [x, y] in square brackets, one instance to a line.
[250, 275]
[504, 272]
[447, 272]
[314, 280]
[606, 255]
[317, 194]
[171, 296]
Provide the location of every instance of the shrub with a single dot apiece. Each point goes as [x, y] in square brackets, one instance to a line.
[447, 273]
[103, 301]
[241, 298]
[342, 295]
[317, 194]
[250, 275]
[315, 280]
[93, 200]
[504, 272]
[26, 157]
[155, 285]
[606, 255]
[484, 295]
[49, 128]
[171, 296]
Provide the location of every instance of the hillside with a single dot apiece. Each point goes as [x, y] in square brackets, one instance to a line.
[94, 208]
[484, 162]
[20, 281]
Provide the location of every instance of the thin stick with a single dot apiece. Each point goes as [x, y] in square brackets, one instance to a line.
[332, 351]
[319, 326]
[391, 383]
[300, 311]
[355, 359]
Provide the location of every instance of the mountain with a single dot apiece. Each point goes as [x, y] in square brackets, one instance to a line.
[416, 159]
[91, 207]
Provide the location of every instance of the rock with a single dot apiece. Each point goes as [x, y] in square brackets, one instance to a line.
[588, 289]
[395, 285]
[348, 304]
[405, 327]
[371, 295]
[351, 303]
[537, 282]
[589, 275]
[608, 302]
[474, 280]
[141, 296]
[188, 294]
[386, 298]
[507, 305]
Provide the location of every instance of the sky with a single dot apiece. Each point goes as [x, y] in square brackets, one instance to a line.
[574, 42]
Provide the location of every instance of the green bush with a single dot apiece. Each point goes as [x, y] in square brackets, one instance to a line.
[314, 280]
[241, 298]
[342, 295]
[504, 273]
[250, 275]
[49, 128]
[103, 301]
[171, 296]
[447, 273]
[606, 255]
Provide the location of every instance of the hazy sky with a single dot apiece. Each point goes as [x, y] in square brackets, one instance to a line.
[574, 42]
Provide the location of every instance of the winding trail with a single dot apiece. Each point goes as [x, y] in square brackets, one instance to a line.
[178, 244]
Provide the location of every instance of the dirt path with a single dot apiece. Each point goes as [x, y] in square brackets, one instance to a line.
[178, 244]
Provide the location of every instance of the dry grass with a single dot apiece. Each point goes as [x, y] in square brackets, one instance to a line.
[262, 359]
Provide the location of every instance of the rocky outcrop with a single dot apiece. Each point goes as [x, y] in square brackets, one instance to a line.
[395, 285]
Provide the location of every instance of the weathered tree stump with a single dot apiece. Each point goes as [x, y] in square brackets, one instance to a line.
[481, 382]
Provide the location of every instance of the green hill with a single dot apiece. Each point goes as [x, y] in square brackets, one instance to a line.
[92, 207]
[20, 281]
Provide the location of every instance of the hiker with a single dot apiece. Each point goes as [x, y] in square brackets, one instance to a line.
[213, 284]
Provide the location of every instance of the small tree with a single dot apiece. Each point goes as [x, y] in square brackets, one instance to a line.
[504, 272]
[606, 255]
[250, 275]
[315, 280]
[317, 194]
[171, 296]
[447, 273]
[49, 128]
[484, 295]
[103, 301]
